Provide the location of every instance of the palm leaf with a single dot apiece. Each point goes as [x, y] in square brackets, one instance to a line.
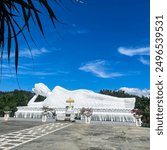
[16, 42]
[37, 17]
[25, 10]
[9, 42]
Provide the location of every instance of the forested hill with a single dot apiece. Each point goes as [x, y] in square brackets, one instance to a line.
[10, 100]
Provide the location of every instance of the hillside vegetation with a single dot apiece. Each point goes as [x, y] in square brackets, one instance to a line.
[10, 100]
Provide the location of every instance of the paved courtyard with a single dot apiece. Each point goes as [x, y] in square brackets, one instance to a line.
[30, 135]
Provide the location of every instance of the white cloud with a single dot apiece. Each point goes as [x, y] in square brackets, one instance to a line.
[75, 30]
[27, 73]
[144, 61]
[11, 66]
[8, 75]
[74, 25]
[98, 68]
[24, 71]
[29, 54]
[134, 51]
[37, 73]
[78, 31]
[5, 66]
[28, 70]
[80, 1]
[136, 91]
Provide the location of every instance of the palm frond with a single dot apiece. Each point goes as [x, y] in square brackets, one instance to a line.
[24, 10]
[10, 11]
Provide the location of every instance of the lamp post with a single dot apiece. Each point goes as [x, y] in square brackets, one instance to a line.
[70, 101]
[70, 111]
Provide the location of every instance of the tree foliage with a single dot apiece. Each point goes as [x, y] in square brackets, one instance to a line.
[16, 98]
[13, 99]
[142, 103]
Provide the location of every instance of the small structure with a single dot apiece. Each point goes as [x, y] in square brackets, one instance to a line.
[70, 101]
[70, 115]
[44, 116]
[86, 114]
[6, 115]
[138, 115]
[67, 113]
[138, 120]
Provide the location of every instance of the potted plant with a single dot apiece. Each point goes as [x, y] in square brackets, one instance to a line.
[87, 113]
[137, 113]
[44, 113]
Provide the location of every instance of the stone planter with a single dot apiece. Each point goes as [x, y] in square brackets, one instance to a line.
[44, 116]
[86, 114]
[138, 120]
[87, 119]
[6, 115]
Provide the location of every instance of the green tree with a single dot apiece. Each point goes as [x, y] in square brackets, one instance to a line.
[13, 99]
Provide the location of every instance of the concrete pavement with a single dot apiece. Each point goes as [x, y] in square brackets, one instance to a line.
[80, 136]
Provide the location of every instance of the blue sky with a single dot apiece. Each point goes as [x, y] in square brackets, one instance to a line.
[100, 45]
